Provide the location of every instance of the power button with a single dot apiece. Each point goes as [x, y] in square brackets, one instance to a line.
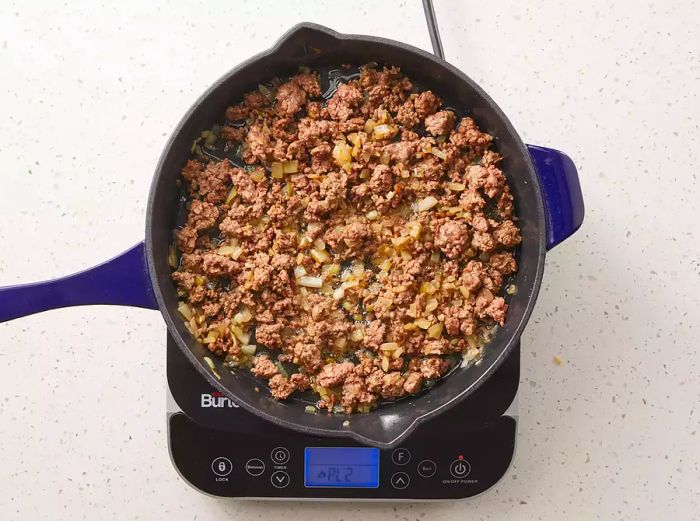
[460, 468]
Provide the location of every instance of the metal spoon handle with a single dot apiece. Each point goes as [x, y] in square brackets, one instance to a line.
[433, 29]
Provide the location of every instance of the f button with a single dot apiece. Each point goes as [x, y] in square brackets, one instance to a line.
[401, 456]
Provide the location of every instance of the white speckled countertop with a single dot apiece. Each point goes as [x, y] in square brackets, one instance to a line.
[91, 90]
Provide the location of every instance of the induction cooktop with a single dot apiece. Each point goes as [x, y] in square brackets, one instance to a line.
[222, 450]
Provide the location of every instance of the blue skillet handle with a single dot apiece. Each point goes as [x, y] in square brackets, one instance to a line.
[561, 191]
[122, 281]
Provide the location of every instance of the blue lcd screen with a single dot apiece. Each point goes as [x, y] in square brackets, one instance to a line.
[341, 467]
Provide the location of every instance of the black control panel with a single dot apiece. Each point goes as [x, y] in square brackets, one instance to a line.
[225, 451]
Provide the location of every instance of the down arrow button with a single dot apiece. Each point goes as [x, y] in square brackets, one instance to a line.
[279, 479]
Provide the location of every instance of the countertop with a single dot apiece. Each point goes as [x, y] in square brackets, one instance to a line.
[91, 90]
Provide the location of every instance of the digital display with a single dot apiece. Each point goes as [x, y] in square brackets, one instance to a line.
[341, 467]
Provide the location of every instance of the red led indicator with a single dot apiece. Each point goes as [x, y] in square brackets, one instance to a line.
[461, 457]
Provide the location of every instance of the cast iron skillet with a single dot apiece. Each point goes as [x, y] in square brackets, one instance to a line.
[544, 183]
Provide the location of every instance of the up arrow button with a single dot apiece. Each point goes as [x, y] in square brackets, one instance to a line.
[400, 480]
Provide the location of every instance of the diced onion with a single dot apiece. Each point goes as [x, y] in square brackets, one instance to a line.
[438, 153]
[243, 316]
[299, 271]
[456, 187]
[305, 242]
[358, 269]
[319, 256]
[172, 257]
[211, 365]
[230, 251]
[341, 154]
[243, 337]
[414, 229]
[330, 270]
[231, 195]
[185, 310]
[277, 170]
[399, 242]
[427, 287]
[369, 125]
[249, 349]
[372, 215]
[435, 331]
[257, 175]
[311, 282]
[431, 305]
[211, 337]
[339, 293]
[426, 203]
[290, 167]
[357, 335]
[389, 346]
[384, 131]
[423, 323]
[385, 364]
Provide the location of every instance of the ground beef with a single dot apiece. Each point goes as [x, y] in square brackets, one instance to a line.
[321, 159]
[234, 134]
[374, 334]
[440, 123]
[504, 262]
[343, 103]
[355, 235]
[357, 226]
[290, 98]
[507, 234]
[281, 387]
[407, 116]
[392, 385]
[269, 335]
[309, 83]
[413, 382]
[452, 238]
[308, 356]
[468, 135]
[202, 216]
[433, 367]
[257, 144]
[300, 381]
[263, 367]
[331, 375]
[426, 104]
[355, 393]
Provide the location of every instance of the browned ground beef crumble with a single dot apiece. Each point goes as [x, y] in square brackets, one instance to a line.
[363, 245]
